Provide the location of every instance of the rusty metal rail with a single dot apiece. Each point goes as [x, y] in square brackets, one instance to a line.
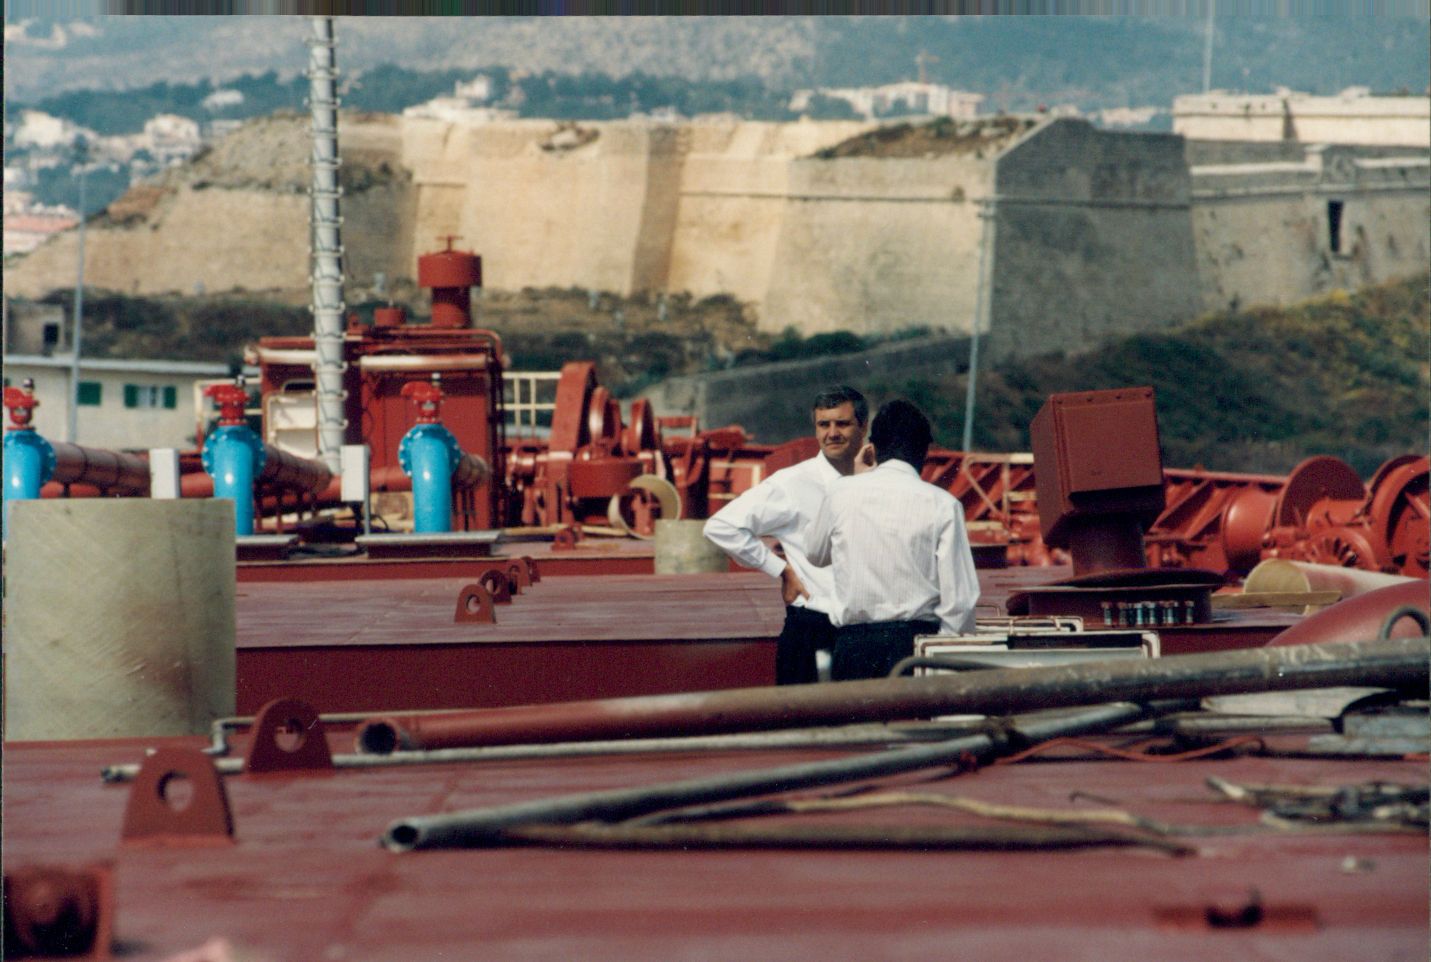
[993, 692]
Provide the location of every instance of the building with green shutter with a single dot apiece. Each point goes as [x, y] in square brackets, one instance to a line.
[134, 404]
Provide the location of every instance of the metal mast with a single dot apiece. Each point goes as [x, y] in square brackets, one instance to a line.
[327, 248]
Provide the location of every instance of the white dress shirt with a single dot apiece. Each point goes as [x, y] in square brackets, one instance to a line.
[781, 507]
[898, 550]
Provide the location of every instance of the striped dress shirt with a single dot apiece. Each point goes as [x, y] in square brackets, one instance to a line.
[898, 550]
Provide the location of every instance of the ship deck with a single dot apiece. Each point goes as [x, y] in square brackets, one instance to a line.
[306, 880]
[348, 643]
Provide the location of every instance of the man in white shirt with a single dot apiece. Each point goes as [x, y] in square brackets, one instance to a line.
[782, 507]
[897, 548]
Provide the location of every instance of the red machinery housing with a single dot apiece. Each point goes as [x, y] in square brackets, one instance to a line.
[381, 359]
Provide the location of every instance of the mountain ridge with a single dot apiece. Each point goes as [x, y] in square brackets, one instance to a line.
[1016, 61]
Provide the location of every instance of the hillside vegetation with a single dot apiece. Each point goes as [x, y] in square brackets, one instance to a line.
[1256, 391]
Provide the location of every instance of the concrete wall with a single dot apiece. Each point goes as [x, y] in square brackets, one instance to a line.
[1093, 237]
[1094, 233]
[739, 190]
[219, 239]
[25, 323]
[879, 245]
[1352, 117]
[556, 217]
[1264, 231]
[635, 207]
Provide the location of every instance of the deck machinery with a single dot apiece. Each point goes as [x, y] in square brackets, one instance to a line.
[594, 467]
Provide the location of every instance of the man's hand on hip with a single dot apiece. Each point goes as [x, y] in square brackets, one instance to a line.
[791, 587]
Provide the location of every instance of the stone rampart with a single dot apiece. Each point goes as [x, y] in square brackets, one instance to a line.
[1093, 233]
[1093, 238]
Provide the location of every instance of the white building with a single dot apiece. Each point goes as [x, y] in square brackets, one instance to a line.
[134, 405]
[171, 138]
[41, 131]
[911, 96]
[467, 103]
[220, 99]
[1353, 116]
[478, 89]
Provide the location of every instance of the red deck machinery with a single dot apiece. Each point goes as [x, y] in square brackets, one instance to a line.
[383, 357]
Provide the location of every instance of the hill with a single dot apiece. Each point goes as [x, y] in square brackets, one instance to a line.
[1018, 62]
[1251, 391]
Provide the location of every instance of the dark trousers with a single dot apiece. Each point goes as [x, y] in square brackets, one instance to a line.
[871, 650]
[804, 632]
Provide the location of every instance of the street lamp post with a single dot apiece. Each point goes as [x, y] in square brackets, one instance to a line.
[72, 426]
[981, 315]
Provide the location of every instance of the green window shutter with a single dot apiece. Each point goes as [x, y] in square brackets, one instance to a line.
[131, 395]
[90, 393]
[171, 397]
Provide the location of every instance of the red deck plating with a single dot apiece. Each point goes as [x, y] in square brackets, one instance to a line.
[306, 880]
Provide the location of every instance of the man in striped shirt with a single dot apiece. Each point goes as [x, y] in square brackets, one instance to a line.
[897, 548]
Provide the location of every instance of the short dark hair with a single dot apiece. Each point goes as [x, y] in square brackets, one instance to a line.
[900, 430]
[843, 394]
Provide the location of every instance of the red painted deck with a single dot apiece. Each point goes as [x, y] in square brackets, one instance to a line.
[306, 880]
[391, 645]
[591, 556]
[361, 645]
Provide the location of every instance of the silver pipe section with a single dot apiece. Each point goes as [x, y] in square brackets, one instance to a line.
[852, 736]
[1196, 724]
[327, 248]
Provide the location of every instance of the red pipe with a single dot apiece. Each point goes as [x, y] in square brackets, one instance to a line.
[196, 485]
[292, 473]
[998, 690]
[53, 489]
[111, 471]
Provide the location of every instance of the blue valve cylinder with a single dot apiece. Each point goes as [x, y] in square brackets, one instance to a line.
[233, 456]
[429, 454]
[29, 463]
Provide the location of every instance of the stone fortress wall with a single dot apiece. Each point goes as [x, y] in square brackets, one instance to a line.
[1079, 233]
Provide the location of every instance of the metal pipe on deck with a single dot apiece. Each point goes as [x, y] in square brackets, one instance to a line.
[490, 826]
[111, 471]
[1379, 663]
